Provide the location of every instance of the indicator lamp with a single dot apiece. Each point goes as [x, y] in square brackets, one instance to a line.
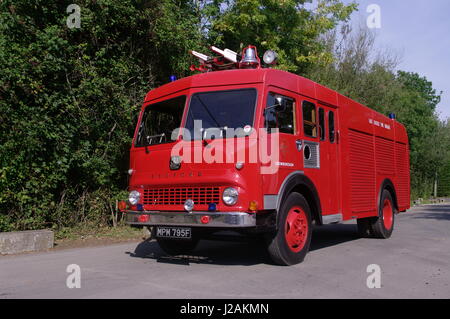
[122, 205]
[253, 206]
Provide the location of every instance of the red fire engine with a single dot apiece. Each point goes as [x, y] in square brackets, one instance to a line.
[334, 159]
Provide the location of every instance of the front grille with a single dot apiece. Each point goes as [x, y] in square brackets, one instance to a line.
[178, 195]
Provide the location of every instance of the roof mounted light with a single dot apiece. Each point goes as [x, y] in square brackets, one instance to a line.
[270, 57]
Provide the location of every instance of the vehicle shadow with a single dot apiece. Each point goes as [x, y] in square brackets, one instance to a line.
[207, 252]
[333, 235]
[242, 253]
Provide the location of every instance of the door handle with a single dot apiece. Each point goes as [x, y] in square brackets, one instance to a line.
[299, 144]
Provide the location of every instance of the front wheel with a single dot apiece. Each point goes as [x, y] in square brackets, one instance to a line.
[290, 244]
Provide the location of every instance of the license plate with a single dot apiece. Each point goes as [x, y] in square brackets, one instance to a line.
[173, 232]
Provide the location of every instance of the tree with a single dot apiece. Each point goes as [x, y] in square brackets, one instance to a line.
[289, 27]
[369, 76]
[442, 141]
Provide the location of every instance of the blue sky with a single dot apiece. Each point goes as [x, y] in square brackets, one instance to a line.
[419, 31]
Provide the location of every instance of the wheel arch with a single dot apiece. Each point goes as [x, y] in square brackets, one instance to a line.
[388, 185]
[300, 183]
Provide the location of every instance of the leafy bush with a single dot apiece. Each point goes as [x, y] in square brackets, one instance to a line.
[69, 99]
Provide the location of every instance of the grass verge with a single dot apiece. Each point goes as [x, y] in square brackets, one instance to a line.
[86, 236]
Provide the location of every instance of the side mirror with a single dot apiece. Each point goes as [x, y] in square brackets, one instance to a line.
[280, 106]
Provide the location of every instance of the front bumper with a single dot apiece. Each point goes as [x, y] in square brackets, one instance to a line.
[219, 220]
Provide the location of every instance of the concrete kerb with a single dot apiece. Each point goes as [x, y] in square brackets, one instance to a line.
[26, 241]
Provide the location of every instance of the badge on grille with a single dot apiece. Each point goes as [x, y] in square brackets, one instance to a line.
[175, 162]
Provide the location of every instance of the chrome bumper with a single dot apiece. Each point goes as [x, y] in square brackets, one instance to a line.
[221, 220]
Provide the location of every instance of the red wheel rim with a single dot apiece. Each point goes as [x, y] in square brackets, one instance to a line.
[296, 229]
[388, 214]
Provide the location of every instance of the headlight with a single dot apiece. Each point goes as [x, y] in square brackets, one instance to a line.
[230, 196]
[133, 197]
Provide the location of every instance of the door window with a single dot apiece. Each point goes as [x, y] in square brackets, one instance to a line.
[331, 129]
[309, 119]
[322, 132]
[280, 114]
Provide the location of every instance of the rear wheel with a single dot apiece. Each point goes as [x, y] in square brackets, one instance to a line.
[290, 244]
[383, 225]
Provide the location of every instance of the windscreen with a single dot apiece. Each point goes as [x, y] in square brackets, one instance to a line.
[159, 122]
[221, 114]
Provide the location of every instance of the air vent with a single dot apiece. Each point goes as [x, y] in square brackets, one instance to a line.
[311, 154]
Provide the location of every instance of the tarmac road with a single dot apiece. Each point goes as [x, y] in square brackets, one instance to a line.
[414, 264]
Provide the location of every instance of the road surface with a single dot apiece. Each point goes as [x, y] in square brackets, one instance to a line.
[414, 263]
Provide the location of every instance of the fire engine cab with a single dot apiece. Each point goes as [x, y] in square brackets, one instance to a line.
[247, 149]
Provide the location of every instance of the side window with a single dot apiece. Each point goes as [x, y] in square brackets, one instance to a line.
[332, 133]
[322, 124]
[280, 113]
[309, 119]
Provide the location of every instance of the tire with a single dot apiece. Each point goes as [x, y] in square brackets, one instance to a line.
[175, 247]
[383, 225]
[290, 243]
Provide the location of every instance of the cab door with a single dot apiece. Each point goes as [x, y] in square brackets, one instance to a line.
[280, 114]
[327, 123]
